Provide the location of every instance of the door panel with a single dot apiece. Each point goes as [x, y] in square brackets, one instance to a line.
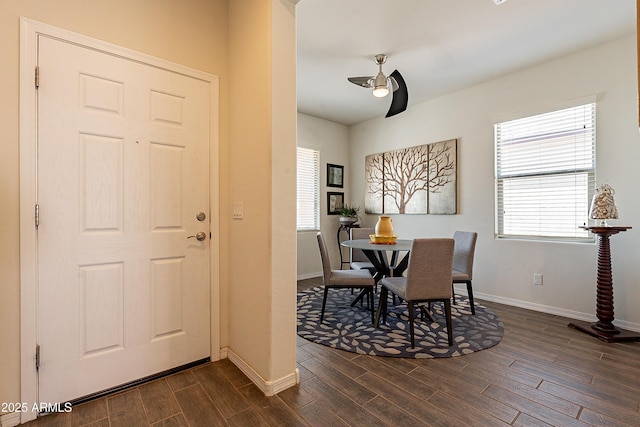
[123, 170]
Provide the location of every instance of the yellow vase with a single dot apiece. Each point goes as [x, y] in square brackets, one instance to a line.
[384, 226]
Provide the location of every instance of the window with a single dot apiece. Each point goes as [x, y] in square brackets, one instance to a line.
[545, 174]
[308, 207]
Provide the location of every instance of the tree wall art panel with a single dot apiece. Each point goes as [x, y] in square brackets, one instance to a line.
[414, 180]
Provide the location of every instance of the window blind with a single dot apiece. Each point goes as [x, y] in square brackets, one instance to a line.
[545, 174]
[308, 189]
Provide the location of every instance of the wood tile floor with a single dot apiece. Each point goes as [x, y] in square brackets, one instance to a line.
[542, 373]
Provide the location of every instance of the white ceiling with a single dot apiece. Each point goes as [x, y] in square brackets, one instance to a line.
[439, 46]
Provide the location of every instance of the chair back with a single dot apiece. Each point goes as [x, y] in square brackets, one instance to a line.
[359, 233]
[465, 247]
[324, 256]
[430, 269]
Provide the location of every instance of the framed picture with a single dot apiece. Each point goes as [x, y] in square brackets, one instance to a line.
[414, 180]
[334, 175]
[334, 203]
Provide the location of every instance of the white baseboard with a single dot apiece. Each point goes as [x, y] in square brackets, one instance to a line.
[10, 420]
[223, 353]
[309, 275]
[269, 388]
[554, 310]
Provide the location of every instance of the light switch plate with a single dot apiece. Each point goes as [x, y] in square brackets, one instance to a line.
[238, 210]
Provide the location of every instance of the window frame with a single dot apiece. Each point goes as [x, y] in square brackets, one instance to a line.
[312, 183]
[541, 169]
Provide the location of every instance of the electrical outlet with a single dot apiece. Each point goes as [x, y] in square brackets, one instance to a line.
[238, 210]
[537, 279]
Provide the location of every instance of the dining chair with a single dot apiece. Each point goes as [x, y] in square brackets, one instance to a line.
[359, 260]
[350, 279]
[463, 253]
[428, 279]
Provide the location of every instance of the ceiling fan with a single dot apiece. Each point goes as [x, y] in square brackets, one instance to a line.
[382, 85]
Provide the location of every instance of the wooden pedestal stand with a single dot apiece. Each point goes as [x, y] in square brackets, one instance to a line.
[346, 228]
[604, 328]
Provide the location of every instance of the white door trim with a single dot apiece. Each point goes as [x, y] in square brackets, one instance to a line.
[29, 31]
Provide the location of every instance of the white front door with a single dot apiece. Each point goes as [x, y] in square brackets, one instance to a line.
[123, 174]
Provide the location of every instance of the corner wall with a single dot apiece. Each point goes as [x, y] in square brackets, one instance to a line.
[503, 269]
[332, 140]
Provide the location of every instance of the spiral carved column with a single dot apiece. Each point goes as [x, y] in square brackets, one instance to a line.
[604, 294]
[604, 327]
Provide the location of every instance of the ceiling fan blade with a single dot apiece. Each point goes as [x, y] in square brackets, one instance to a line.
[400, 95]
[361, 81]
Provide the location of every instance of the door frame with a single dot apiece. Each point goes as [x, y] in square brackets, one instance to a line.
[29, 32]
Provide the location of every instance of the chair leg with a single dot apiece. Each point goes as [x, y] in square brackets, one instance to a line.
[447, 311]
[470, 292]
[386, 306]
[372, 305]
[324, 303]
[453, 293]
[411, 320]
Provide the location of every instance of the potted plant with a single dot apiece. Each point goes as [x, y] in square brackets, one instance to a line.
[349, 214]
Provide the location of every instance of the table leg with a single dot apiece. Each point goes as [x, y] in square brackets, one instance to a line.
[380, 268]
[359, 297]
[425, 312]
[380, 263]
[402, 266]
[382, 306]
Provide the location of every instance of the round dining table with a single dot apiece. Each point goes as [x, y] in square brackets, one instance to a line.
[377, 255]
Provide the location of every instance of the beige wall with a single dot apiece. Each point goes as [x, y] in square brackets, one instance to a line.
[250, 184]
[262, 146]
[197, 34]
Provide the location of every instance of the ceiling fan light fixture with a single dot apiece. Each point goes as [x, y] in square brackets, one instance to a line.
[380, 92]
[380, 86]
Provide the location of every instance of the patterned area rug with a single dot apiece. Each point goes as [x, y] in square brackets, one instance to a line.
[349, 328]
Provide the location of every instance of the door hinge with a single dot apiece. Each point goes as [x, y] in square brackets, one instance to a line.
[37, 77]
[37, 215]
[37, 357]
